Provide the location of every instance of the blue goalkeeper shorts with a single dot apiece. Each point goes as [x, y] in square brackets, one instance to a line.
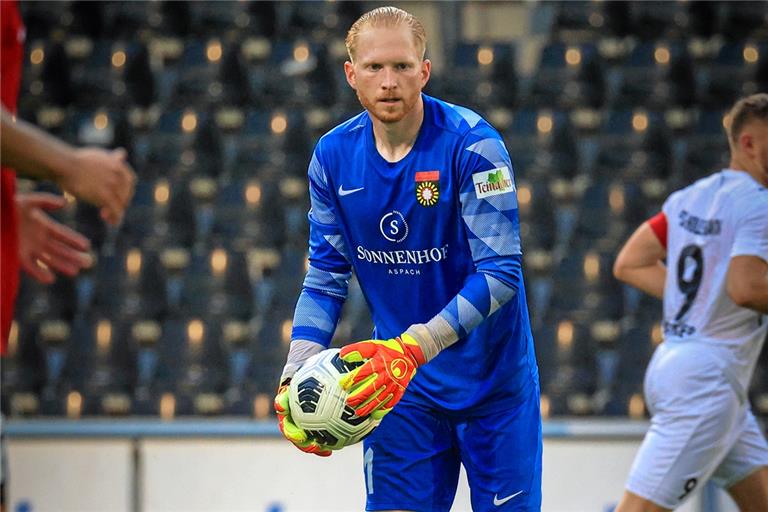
[412, 459]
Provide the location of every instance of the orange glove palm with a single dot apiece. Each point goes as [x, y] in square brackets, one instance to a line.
[389, 365]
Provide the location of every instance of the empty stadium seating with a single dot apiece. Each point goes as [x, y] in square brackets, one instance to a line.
[605, 107]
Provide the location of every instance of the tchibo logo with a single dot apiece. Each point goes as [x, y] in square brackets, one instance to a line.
[493, 183]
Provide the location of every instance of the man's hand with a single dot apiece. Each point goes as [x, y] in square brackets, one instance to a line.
[389, 365]
[290, 430]
[45, 246]
[102, 178]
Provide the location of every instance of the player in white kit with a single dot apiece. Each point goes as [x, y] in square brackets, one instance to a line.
[713, 236]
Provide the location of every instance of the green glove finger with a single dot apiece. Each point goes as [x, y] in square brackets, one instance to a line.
[281, 400]
[353, 357]
[378, 414]
[292, 432]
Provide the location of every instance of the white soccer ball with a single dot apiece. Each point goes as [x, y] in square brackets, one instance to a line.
[317, 402]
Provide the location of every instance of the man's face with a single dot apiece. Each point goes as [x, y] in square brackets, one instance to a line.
[388, 73]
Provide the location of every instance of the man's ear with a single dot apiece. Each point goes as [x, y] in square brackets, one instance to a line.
[746, 143]
[426, 71]
[349, 72]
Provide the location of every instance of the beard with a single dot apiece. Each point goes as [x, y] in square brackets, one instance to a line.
[388, 113]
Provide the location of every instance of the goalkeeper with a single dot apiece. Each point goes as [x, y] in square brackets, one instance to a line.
[418, 197]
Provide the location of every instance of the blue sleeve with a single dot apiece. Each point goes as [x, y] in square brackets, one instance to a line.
[325, 285]
[489, 212]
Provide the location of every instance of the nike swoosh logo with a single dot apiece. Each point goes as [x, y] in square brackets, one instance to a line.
[498, 502]
[343, 192]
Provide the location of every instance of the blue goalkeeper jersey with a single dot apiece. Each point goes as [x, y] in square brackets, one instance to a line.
[436, 233]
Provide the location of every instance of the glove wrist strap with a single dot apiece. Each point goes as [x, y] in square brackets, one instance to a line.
[433, 336]
[298, 353]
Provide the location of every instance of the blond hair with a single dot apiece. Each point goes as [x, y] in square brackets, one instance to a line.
[386, 17]
[744, 111]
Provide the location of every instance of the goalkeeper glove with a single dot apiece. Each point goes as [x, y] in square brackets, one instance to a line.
[289, 429]
[389, 365]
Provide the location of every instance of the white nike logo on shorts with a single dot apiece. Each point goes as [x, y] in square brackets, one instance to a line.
[498, 502]
[343, 192]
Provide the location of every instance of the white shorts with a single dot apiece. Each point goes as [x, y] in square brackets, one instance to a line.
[701, 428]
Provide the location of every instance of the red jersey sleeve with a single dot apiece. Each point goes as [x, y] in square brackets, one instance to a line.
[658, 224]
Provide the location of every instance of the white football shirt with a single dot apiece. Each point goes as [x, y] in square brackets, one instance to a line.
[709, 222]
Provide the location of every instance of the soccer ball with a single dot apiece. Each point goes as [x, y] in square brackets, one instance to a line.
[317, 402]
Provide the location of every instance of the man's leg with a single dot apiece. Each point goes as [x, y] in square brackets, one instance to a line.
[631, 502]
[697, 419]
[410, 461]
[502, 453]
[744, 471]
[751, 493]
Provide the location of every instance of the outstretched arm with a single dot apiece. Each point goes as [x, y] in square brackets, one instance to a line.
[95, 175]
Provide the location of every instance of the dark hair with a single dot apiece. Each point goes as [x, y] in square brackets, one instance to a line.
[745, 110]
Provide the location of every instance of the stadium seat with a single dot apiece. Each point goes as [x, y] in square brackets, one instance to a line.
[198, 358]
[95, 79]
[103, 365]
[703, 18]
[138, 76]
[42, 18]
[216, 285]
[729, 75]
[54, 340]
[576, 16]
[264, 18]
[634, 351]
[88, 19]
[568, 76]
[56, 76]
[130, 285]
[23, 370]
[487, 71]
[654, 20]
[234, 77]
[740, 20]
[645, 79]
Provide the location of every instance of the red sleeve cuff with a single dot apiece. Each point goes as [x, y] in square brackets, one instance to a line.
[658, 224]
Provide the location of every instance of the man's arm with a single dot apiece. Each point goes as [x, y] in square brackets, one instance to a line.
[95, 175]
[747, 282]
[319, 306]
[325, 285]
[640, 264]
[747, 278]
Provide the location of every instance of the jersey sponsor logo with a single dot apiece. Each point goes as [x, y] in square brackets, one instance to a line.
[699, 226]
[678, 329]
[493, 183]
[346, 192]
[403, 257]
[500, 501]
[427, 187]
[393, 226]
